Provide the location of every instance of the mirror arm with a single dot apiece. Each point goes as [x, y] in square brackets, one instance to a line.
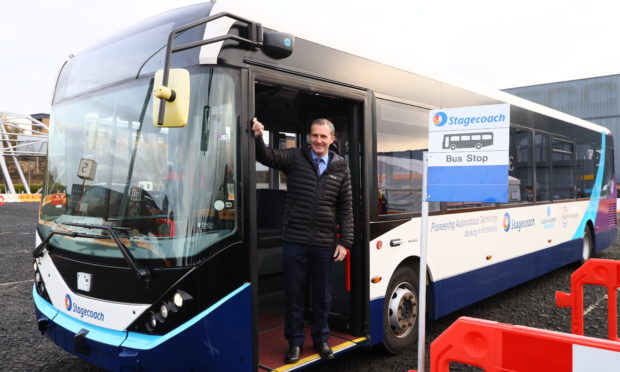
[255, 32]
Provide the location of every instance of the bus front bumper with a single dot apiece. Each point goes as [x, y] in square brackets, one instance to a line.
[207, 342]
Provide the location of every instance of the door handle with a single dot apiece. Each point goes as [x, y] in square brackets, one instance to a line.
[396, 242]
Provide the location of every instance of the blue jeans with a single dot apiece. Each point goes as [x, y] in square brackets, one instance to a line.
[299, 261]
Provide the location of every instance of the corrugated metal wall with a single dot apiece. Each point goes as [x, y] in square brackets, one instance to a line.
[594, 99]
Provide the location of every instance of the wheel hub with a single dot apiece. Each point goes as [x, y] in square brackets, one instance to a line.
[403, 311]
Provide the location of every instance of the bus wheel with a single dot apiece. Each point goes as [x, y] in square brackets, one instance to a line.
[478, 146]
[400, 311]
[587, 248]
[452, 147]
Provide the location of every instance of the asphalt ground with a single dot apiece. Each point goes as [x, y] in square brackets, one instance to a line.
[22, 348]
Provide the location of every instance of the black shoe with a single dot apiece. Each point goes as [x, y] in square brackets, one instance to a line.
[293, 353]
[324, 351]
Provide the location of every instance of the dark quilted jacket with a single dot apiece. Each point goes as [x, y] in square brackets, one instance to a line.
[314, 205]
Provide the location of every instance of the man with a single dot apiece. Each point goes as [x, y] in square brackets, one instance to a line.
[318, 197]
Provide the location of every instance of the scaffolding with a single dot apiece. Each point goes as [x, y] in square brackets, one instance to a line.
[20, 136]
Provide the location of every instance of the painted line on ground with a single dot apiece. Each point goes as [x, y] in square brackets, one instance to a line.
[19, 282]
[594, 305]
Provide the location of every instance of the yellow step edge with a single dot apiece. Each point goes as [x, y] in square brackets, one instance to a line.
[313, 357]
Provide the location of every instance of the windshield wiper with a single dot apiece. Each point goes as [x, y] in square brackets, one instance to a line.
[143, 272]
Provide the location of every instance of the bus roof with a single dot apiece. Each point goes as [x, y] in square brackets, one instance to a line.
[254, 11]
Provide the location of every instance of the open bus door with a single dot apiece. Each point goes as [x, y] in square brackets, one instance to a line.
[286, 105]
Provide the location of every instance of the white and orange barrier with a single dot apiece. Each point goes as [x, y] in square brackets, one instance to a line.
[19, 198]
[598, 272]
[497, 347]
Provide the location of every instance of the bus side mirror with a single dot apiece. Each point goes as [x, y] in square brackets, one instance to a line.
[174, 98]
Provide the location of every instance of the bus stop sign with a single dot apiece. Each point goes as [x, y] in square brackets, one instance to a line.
[468, 154]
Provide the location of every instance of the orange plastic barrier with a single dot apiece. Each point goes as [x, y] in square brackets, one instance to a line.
[497, 347]
[598, 272]
[29, 198]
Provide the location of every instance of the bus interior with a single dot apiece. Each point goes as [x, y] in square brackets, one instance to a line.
[287, 114]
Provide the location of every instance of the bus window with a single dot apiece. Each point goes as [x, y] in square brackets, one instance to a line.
[402, 137]
[607, 176]
[562, 170]
[520, 181]
[269, 178]
[585, 169]
[541, 156]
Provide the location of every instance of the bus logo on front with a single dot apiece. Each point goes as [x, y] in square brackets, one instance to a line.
[467, 141]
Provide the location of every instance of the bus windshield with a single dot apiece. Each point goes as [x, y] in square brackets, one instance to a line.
[170, 190]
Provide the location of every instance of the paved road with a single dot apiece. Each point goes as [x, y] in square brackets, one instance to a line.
[23, 348]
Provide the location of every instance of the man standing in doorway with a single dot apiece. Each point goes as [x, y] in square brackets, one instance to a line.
[318, 198]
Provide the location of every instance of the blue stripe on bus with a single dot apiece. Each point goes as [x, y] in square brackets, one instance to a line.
[459, 291]
[145, 342]
[595, 196]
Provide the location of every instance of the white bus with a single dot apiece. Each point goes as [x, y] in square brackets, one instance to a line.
[159, 238]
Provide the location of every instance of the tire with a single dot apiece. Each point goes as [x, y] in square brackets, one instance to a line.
[478, 146]
[452, 147]
[587, 247]
[400, 311]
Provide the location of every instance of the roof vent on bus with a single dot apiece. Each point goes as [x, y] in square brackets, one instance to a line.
[278, 44]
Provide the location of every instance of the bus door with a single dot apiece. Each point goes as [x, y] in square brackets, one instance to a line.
[287, 105]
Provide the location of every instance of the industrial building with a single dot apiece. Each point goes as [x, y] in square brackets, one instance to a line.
[594, 99]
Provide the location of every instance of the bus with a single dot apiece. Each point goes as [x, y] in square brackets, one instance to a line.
[159, 236]
[455, 141]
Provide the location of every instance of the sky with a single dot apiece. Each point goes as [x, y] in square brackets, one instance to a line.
[489, 43]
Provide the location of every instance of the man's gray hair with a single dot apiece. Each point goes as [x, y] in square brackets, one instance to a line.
[323, 121]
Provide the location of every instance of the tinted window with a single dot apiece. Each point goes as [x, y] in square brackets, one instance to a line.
[402, 137]
[520, 178]
[562, 173]
[585, 167]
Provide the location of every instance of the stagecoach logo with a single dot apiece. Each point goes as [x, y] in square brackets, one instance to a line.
[509, 223]
[68, 302]
[82, 311]
[440, 118]
[506, 221]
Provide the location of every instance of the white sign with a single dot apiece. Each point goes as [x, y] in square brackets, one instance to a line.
[469, 136]
[87, 169]
[468, 154]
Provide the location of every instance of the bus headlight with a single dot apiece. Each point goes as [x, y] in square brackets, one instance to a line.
[35, 267]
[153, 321]
[163, 312]
[37, 277]
[180, 297]
[178, 300]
